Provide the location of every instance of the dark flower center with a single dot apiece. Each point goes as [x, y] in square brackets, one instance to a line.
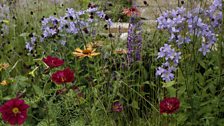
[86, 51]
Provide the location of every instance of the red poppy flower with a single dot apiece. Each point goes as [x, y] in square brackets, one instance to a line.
[169, 105]
[117, 106]
[131, 11]
[53, 61]
[63, 76]
[14, 111]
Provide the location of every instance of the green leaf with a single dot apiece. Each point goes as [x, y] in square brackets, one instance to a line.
[38, 90]
[20, 78]
[24, 34]
[181, 118]
[135, 104]
[168, 84]
[181, 90]
[180, 76]
[171, 91]
[202, 64]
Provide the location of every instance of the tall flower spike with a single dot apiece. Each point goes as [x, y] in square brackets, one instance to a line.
[134, 40]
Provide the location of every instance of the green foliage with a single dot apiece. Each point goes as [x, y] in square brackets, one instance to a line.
[106, 78]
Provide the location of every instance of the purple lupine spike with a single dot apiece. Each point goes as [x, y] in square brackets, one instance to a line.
[134, 40]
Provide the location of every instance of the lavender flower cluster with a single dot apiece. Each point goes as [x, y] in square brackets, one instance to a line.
[182, 25]
[4, 19]
[31, 43]
[134, 39]
[72, 22]
[172, 59]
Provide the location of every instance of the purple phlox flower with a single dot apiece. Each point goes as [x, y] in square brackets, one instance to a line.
[198, 10]
[82, 24]
[159, 71]
[62, 23]
[167, 75]
[72, 28]
[30, 45]
[177, 58]
[62, 42]
[45, 21]
[90, 20]
[205, 48]
[48, 32]
[170, 54]
[51, 21]
[165, 71]
[167, 52]
[179, 19]
[100, 14]
[79, 13]
[70, 12]
[217, 4]
[172, 60]
[33, 39]
[94, 9]
[109, 22]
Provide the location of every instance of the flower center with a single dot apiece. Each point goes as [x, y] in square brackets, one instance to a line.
[86, 51]
[116, 107]
[63, 79]
[169, 106]
[15, 110]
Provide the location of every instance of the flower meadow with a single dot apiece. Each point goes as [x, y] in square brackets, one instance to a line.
[62, 63]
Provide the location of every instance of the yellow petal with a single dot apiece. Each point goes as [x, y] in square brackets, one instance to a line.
[78, 50]
[78, 54]
[93, 50]
[4, 83]
[94, 54]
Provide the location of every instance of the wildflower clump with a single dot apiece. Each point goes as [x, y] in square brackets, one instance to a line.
[183, 27]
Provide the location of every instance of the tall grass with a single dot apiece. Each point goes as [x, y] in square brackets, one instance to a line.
[102, 80]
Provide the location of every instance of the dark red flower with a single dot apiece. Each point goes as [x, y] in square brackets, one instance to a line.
[63, 76]
[53, 61]
[14, 111]
[61, 91]
[77, 91]
[131, 11]
[117, 106]
[169, 105]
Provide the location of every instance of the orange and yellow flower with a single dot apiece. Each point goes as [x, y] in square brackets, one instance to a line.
[88, 51]
[4, 83]
[3, 66]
